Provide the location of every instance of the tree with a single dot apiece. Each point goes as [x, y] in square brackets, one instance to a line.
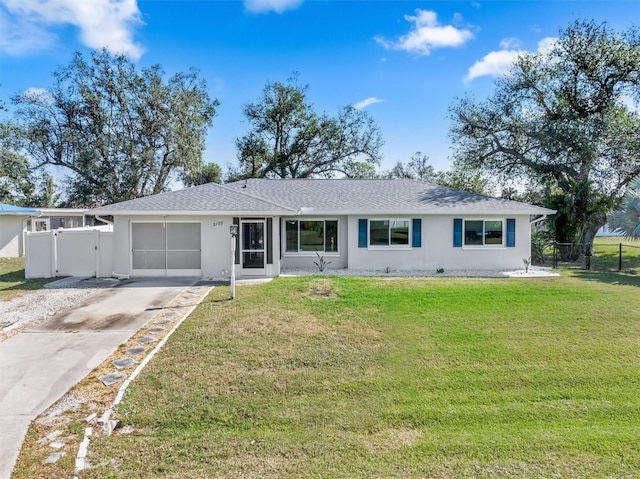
[288, 139]
[626, 219]
[418, 168]
[209, 173]
[460, 177]
[559, 120]
[121, 133]
[465, 178]
[19, 184]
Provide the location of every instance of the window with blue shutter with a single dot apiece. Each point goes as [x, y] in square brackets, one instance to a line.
[362, 233]
[511, 232]
[457, 232]
[416, 233]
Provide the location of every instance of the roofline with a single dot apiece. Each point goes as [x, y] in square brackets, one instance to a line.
[310, 212]
[103, 212]
[49, 211]
[433, 212]
[35, 214]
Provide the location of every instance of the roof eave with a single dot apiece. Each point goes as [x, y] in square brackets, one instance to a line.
[254, 213]
[421, 212]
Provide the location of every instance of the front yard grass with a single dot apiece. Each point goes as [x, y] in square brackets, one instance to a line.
[361, 378]
[12, 281]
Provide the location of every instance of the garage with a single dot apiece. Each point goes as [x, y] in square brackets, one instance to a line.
[166, 249]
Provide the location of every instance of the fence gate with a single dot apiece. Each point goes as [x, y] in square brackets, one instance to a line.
[68, 252]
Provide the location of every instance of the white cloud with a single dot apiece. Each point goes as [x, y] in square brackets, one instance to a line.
[365, 103]
[510, 44]
[27, 24]
[278, 6]
[427, 34]
[39, 95]
[631, 104]
[499, 62]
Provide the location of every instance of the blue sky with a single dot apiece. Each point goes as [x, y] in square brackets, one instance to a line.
[404, 61]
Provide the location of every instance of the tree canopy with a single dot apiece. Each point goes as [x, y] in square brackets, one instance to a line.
[559, 121]
[19, 184]
[288, 139]
[460, 177]
[119, 132]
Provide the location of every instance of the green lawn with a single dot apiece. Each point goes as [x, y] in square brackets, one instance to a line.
[363, 378]
[12, 281]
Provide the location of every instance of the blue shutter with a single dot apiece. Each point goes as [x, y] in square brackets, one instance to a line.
[511, 232]
[457, 232]
[362, 233]
[416, 234]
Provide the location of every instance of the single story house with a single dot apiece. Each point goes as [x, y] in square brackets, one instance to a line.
[13, 220]
[56, 218]
[360, 224]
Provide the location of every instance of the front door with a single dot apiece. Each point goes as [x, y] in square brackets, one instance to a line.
[253, 245]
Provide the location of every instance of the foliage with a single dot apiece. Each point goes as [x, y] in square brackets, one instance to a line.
[208, 173]
[460, 177]
[381, 377]
[626, 219]
[418, 168]
[288, 139]
[465, 178]
[559, 120]
[19, 184]
[121, 133]
[540, 239]
[321, 263]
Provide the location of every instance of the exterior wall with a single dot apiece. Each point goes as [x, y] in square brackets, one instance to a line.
[306, 260]
[437, 250]
[11, 236]
[215, 244]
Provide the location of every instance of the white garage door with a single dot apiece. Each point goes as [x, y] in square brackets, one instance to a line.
[165, 249]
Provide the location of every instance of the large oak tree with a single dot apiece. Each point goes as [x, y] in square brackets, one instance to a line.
[289, 139]
[560, 121]
[121, 133]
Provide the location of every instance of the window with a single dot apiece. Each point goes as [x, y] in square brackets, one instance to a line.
[483, 233]
[389, 232]
[311, 235]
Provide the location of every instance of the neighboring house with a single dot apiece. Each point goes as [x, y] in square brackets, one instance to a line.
[357, 224]
[13, 220]
[56, 218]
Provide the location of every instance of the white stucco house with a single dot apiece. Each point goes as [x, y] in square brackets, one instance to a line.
[361, 224]
[13, 221]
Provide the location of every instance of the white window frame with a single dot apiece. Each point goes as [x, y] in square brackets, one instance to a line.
[299, 252]
[390, 246]
[484, 234]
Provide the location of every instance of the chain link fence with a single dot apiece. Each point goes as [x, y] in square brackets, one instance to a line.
[599, 256]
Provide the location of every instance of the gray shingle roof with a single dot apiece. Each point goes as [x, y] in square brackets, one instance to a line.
[377, 196]
[207, 198]
[321, 196]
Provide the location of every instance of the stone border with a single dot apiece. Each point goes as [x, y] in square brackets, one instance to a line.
[105, 420]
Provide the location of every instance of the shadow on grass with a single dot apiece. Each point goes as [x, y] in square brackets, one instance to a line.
[15, 281]
[609, 277]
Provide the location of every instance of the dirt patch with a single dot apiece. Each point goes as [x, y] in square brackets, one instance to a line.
[390, 439]
[322, 288]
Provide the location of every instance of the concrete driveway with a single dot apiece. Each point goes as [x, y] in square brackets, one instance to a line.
[39, 365]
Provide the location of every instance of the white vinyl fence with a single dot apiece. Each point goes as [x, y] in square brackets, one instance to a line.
[69, 252]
